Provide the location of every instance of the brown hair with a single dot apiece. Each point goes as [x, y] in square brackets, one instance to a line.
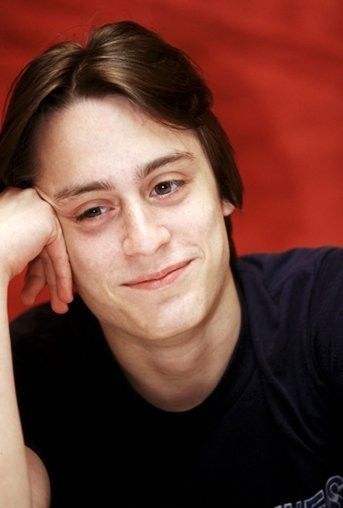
[119, 58]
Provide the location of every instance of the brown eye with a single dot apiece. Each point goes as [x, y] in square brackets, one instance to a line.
[168, 187]
[91, 213]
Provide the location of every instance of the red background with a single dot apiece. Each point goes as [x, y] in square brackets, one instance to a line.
[275, 67]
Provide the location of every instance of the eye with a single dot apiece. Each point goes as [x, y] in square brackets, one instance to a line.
[167, 187]
[92, 213]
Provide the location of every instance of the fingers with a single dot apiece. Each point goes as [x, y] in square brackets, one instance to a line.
[40, 273]
[50, 268]
[57, 261]
[45, 253]
[58, 305]
[58, 256]
[35, 280]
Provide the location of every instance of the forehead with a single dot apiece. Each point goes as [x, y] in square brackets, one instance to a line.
[102, 135]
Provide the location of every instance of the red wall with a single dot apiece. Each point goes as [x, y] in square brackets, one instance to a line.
[275, 67]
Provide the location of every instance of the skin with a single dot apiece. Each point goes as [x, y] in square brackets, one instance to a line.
[164, 335]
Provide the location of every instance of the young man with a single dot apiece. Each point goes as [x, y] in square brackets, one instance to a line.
[179, 376]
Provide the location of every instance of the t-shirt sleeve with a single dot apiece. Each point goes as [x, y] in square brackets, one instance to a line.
[326, 317]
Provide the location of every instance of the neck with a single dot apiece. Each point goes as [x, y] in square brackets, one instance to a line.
[179, 373]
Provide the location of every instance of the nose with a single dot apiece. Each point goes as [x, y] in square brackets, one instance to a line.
[143, 234]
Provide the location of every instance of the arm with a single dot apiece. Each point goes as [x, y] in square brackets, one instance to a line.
[39, 480]
[29, 234]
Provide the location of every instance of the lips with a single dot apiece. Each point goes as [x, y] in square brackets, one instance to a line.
[156, 279]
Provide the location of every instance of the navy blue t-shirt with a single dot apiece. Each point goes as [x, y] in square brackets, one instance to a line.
[269, 435]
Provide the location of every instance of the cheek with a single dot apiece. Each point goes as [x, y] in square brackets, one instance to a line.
[89, 255]
[203, 219]
[207, 229]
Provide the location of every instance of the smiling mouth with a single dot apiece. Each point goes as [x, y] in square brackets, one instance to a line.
[159, 279]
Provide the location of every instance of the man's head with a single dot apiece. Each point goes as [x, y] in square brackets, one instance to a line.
[141, 217]
[119, 59]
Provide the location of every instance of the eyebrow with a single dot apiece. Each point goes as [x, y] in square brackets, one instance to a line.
[143, 171]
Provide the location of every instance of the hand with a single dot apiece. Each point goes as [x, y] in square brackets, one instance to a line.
[31, 235]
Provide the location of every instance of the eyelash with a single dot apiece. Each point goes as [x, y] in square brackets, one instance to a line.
[87, 214]
[177, 183]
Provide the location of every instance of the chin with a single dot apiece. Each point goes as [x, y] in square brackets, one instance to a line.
[171, 322]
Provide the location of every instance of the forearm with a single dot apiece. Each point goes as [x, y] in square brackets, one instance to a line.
[15, 491]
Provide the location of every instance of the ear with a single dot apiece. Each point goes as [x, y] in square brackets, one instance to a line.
[227, 208]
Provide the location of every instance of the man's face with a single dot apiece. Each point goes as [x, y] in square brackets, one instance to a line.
[141, 216]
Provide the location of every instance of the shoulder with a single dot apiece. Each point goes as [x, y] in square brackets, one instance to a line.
[44, 342]
[275, 270]
[297, 287]
[37, 321]
[37, 332]
[299, 293]
[49, 368]
[280, 265]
